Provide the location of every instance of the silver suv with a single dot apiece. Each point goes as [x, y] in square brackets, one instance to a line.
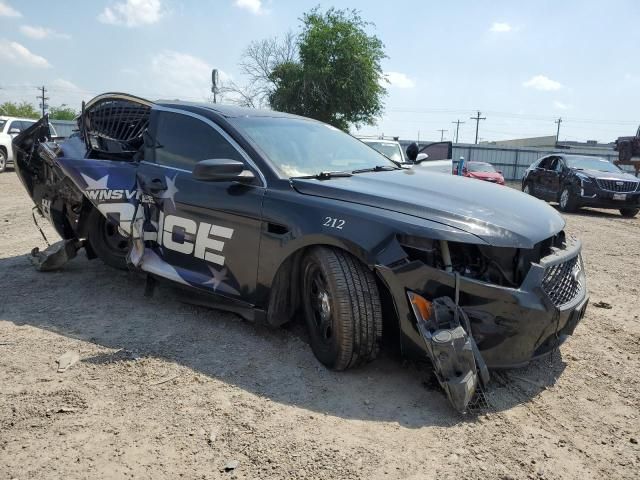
[9, 128]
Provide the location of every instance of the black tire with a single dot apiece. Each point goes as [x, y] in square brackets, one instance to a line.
[341, 307]
[567, 200]
[629, 212]
[106, 241]
[526, 188]
[3, 160]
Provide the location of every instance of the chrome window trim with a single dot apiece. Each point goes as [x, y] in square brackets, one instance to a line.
[218, 129]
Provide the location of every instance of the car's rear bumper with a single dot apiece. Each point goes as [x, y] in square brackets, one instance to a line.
[511, 326]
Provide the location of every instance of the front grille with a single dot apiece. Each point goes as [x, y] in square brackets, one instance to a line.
[618, 186]
[564, 281]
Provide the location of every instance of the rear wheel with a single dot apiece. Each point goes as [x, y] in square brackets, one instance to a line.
[342, 308]
[3, 160]
[107, 241]
[629, 212]
[567, 200]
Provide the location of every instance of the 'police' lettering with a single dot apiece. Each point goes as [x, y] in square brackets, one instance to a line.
[189, 226]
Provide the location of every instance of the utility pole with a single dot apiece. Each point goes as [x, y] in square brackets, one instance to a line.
[457, 122]
[558, 121]
[43, 99]
[442, 133]
[477, 118]
[214, 84]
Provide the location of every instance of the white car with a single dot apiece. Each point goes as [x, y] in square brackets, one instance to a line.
[9, 128]
[435, 157]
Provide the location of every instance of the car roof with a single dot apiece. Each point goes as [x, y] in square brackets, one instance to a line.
[4, 117]
[227, 111]
[377, 140]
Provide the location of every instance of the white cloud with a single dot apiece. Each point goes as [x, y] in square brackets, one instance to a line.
[40, 33]
[561, 106]
[132, 13]
[183, 76]
[540, 82]
[254, 6]
[398, 80]
[18, 54]
[500, 27]
[8, 11]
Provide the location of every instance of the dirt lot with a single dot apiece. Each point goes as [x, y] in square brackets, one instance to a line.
[168, 390]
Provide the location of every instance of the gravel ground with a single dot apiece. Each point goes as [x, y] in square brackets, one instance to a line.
[167, 390]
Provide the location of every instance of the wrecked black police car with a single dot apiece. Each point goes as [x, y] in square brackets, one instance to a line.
[272, 215]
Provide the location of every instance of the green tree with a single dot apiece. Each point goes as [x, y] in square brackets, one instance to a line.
[62, 113]
[337, 78]
[22, 109]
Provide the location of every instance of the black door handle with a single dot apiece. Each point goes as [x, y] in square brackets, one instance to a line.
[152, 186]
[156, 185]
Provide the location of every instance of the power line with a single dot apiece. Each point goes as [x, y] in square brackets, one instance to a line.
[457, 122]
[441, 133]
[477, 118]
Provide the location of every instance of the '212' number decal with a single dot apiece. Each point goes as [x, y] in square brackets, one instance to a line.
[334, 222]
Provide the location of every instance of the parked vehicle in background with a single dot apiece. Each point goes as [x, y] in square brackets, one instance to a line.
[434, 157]
[482, 171]
[389, 148]
[576, 181]
[628, 149]
[9, 128]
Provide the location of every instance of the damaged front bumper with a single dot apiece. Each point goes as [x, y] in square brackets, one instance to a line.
[511, 326]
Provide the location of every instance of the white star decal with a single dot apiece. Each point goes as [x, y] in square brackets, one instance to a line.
[170, 192]
[100, 184]
[217, 281]
[217, 277]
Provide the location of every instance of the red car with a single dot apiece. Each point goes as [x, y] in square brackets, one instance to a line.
[483, 171]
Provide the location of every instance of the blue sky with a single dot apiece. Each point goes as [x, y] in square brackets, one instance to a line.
[522, 64]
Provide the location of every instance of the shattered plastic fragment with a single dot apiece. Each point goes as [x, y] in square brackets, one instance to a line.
[55, 256]
[456, 359]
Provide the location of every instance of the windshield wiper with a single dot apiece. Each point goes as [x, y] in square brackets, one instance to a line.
[327, 175]
[377, 168]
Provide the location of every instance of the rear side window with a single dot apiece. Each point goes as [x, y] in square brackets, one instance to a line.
[182, 141]
[2, 124]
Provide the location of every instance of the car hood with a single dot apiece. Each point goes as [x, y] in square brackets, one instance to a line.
[600, 174]
[500, 216]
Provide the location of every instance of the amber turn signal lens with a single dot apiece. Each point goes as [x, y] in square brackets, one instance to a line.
[422, 304]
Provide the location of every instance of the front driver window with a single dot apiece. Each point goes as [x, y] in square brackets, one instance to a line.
[182, 141]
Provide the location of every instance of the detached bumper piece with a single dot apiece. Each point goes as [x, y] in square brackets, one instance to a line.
[457, 362]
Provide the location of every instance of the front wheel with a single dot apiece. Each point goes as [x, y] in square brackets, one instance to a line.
[341, 308]
[527, 189]
[567, 200]
[629, 212]
[107, 241]
[3, 160]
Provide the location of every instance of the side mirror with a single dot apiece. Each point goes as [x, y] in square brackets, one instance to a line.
[221, 170]
[14, 131]
[421, 157]
[499, 171]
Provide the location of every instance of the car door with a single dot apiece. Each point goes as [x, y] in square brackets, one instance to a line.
[207, 232]
[542, 178]
[554, 178]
